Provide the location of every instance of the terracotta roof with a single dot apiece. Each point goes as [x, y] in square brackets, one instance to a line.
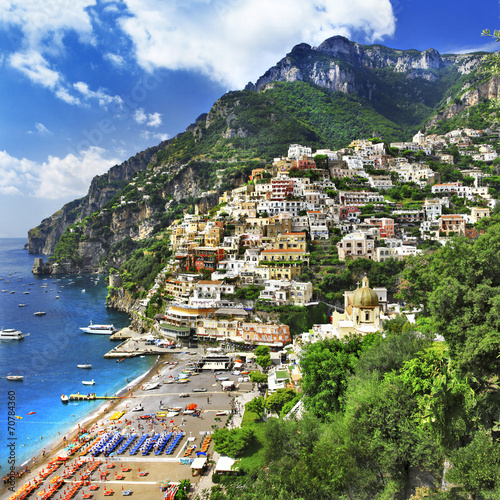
[209, 282]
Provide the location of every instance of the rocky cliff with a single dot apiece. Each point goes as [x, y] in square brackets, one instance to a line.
[43, 238]
[341, 65]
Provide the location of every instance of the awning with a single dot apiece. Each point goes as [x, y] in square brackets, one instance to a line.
[199, 463]
[227, 383]
[224, 464]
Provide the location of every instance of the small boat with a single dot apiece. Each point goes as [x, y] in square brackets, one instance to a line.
[31, 413]
[152, 386]
[172, 414]
[188, 412]
[184, 395]
[88, 382]
[120, 360]
[12, 292]
[220, 413]
[15, 378]
[26, 293]
[137, 408]
[40, 313]
[64, 398]
[22, 305]
[10, 334]
[84, 366]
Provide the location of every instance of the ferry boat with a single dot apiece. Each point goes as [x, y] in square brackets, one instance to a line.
[99, 329]
[10, 334]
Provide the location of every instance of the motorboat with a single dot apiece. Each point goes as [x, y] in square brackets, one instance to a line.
[15, 378]
[184, 395]
[40, 313]
[99, 329]
[22, 305]
[64, 398]
[137, 408]
[85, 366]
[88, 382]
[11, 334]
[120, 360]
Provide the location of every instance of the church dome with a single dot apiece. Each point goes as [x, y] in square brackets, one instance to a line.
[365, 296]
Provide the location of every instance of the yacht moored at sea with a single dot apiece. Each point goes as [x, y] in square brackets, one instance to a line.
[85, 366]
[99, 329]
[15, 378]
[11, 334]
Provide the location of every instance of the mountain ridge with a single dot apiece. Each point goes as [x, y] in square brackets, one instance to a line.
[351, 91]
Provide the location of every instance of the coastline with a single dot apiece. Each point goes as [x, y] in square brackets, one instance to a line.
[56, 445]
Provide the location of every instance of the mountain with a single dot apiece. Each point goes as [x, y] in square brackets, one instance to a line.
[323, 97]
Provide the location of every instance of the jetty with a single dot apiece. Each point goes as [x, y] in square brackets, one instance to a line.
[90, 397]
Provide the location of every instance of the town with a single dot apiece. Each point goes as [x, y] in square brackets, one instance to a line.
[375, 200]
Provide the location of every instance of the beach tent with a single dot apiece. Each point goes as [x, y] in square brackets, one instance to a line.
[227, 385]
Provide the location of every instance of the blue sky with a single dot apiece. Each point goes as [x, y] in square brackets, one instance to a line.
[85, 84]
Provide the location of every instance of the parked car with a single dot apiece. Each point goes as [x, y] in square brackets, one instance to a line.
[199, 389]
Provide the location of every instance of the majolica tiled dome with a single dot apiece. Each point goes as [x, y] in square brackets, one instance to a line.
[365, 296]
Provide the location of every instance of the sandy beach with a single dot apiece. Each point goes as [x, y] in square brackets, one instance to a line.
[142, 474]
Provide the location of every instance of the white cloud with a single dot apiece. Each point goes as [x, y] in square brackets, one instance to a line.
[154, 120]
[100, 95]
[234, 41]
[35, 67]
[115, 59]
[42, 129]
[151, 119]
[55, 178]
[140, 116]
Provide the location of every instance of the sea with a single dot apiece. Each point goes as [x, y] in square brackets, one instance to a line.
[49, 355]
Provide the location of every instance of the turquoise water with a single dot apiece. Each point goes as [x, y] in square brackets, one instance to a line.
[47, 358]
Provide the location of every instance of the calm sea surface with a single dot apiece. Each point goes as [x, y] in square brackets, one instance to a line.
[48, 356]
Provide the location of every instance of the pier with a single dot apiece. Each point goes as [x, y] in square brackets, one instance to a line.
[91, 397]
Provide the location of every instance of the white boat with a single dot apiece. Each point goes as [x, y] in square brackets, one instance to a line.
[15, 378]
[88, 382]
[99, 329]
[10, 334]
[138, 408]
[64, 398]
[40, 313]
[152, 386]
[22, 305]
[85, 366]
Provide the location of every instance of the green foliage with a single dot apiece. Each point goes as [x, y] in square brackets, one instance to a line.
[232, 442]
[67, 248]
[256, 405]
[476, 467]
[275, 402]
[250, 292]
[326, 366]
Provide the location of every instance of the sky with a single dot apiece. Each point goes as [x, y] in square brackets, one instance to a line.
[86, 84]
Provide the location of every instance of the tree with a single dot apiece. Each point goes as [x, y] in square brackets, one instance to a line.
[258, 377]
[276, 401]
[232, 442]
[476, 467]
[326, 366]
[257, 406]
[263, 361]
[262, 350]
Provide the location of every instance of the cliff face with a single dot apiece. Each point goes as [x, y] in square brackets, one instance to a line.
[342, 65]
[43, 238]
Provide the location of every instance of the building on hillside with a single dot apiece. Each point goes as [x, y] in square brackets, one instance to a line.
[264, 334]
[452, 225]
[296, 151]
[359, 198]
[284, 263]
[286, 292]
[385, 225]
[433, 209]
[397, 253]
[478, 213]
[356, 246]
[205, 258]
[318, 228]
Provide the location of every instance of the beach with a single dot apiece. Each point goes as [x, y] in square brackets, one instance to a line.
[145, 475]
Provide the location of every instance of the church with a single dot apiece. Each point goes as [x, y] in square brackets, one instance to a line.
[363, 309]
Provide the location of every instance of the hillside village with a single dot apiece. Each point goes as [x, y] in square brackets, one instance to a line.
[255, 244]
